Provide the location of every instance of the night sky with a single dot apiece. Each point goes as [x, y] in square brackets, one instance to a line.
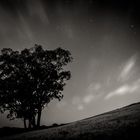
[104, 39]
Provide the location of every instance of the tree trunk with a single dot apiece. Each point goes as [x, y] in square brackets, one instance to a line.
[33, 122]
[39, 117]
[29, 125]
[25, 126]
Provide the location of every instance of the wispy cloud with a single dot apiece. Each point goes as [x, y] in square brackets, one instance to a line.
[36, 8]
[88, 98]
[124, 89]
[126, 71]
[91, 91]
[80, 107]
[93, 87]
[78, 103]
[25, 28]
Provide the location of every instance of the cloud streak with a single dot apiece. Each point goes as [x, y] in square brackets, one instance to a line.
[127, 69]
[124, 89]
[91, 94]
[25, 28]
[36, 8]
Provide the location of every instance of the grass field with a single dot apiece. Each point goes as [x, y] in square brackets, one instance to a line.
[119, 124]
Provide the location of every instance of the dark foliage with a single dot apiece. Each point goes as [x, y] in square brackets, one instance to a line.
[30, 79]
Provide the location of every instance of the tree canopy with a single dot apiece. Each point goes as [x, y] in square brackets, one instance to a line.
[30, 79]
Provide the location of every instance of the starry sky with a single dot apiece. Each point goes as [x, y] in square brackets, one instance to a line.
[104, 39]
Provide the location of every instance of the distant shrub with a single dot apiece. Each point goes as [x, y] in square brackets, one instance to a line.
[55, 124]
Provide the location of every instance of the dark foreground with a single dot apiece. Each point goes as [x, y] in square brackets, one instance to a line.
[120, 124]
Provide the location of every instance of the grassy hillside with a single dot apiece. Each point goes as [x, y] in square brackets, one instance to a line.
[120, 124]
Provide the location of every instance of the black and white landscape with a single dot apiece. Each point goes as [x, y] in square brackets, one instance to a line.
[64, 62]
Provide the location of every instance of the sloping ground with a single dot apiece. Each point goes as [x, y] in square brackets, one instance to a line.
[120, 124]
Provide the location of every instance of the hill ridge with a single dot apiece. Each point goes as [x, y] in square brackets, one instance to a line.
[122, 123]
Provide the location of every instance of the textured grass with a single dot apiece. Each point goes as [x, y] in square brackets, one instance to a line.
[120, 124]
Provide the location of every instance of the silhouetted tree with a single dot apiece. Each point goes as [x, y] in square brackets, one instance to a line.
[30, 79]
